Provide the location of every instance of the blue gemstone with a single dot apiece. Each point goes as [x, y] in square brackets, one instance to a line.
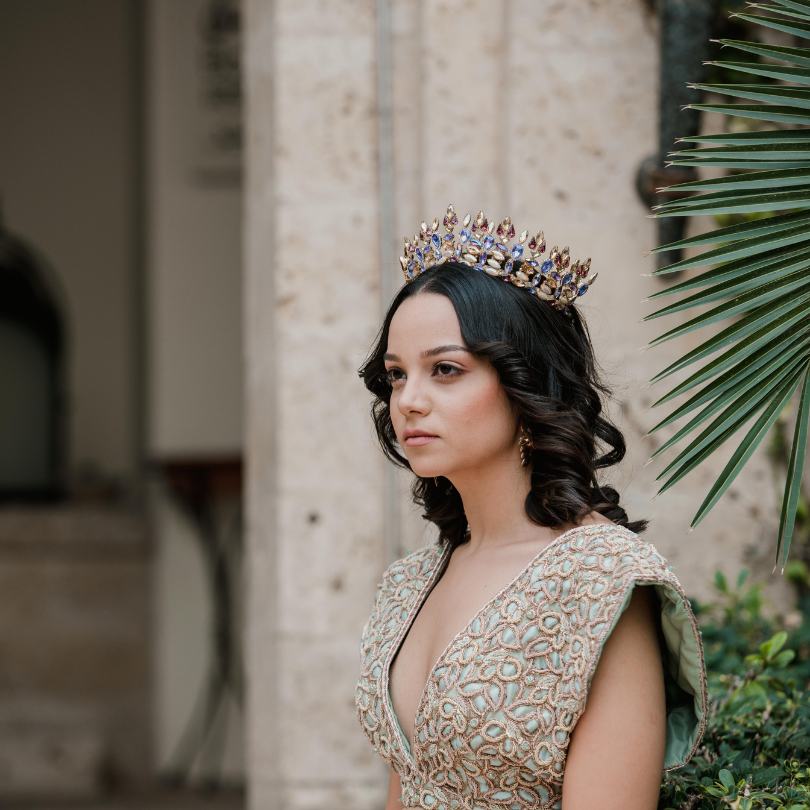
[557, 292]
[448, 237]
[547, 265]
[582, 289]
[457, 251]
[474, 241]
[464, 235]
[555, 275]
[517, 251]
[502, 247]
[507, 267]
[482, 259]
[567, 278]
[489, 241]
[436, 241]
[411, 268]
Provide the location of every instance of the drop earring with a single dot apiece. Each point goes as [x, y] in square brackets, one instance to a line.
[525, 446]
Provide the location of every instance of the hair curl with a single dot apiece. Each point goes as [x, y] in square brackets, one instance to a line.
[546, 365]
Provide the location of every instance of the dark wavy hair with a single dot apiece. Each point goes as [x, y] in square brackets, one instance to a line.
[546, 365]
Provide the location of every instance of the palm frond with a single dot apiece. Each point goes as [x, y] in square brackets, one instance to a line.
[758, 276]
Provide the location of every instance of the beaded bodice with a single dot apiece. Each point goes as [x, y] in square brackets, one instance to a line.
[493, 722]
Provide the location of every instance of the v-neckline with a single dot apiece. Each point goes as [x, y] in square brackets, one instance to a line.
[438, 570]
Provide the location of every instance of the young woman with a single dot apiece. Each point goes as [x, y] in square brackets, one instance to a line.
[539, 654]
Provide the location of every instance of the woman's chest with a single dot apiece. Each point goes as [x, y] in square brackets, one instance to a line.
[499, 695]
[442, 614]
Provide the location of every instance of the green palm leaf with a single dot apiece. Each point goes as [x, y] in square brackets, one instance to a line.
[758, 276]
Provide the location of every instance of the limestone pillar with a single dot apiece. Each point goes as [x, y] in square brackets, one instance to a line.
[312, 302]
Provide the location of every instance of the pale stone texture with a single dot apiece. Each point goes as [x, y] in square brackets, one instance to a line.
[542, 111]
[74, 638]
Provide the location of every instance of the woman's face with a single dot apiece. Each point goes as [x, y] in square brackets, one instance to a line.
[450, 393]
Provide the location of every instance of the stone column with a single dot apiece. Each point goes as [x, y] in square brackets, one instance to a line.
[312, 303]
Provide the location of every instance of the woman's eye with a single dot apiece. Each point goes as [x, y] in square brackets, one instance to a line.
[388, 375]
[450, 371]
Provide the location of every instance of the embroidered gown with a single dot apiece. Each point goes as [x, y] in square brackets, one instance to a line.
[494, 719]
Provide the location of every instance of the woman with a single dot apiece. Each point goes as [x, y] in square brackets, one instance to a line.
[541, 654]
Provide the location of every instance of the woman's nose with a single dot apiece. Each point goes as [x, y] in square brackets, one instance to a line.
[412, 396]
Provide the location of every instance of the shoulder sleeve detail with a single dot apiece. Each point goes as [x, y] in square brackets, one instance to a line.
[679, 636]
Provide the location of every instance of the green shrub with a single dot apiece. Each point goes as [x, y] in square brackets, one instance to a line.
[756, 749]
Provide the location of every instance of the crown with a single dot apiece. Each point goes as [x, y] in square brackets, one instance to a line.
[484, 246]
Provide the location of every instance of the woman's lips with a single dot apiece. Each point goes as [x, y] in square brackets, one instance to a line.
[417, 440]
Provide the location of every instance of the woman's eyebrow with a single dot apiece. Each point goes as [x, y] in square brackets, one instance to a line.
[430, 352]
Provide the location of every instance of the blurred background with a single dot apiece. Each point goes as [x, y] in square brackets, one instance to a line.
[201, 208]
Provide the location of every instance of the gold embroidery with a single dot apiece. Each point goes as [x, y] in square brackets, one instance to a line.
[496, 714]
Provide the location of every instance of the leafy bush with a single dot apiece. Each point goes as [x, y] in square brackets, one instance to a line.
[756, 749]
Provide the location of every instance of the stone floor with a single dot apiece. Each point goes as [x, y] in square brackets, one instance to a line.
[163, 800]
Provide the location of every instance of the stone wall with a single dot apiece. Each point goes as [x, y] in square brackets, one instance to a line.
[75, 636]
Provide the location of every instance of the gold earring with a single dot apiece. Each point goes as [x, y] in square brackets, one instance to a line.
[525, 446]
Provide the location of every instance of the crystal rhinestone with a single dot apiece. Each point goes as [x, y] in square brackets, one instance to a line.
[464, 235]
[489, 241]
[517, 251]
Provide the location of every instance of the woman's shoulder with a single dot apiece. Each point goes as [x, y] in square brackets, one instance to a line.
[608, 547]
[415, 565]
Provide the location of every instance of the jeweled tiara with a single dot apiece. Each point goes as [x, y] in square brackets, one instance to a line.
[484, 246]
